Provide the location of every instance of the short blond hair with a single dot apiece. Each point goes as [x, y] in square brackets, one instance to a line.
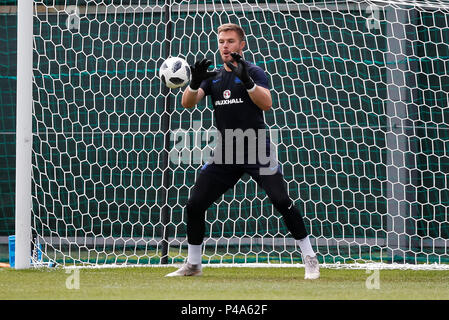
[232, 27]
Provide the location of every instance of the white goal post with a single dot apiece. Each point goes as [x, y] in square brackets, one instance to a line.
[360, 104]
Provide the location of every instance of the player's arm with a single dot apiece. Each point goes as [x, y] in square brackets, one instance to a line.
[190, 98]
[193, 93]
[259, 95]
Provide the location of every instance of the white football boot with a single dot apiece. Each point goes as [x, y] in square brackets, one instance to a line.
[312, 268]
[187, 270]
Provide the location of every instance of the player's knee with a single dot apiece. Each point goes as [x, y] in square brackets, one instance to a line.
[294, 221]
[194, 208]
[190, 207]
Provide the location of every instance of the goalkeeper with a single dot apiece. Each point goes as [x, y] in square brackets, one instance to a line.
[240, 94]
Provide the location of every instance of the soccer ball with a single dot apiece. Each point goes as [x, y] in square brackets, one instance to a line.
[175, 72]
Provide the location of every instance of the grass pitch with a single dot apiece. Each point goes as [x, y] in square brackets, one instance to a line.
[239, 283]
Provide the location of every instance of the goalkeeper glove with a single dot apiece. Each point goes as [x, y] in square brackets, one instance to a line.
[200, 73]
[241, 70]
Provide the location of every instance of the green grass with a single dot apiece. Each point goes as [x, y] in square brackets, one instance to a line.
[221, 283]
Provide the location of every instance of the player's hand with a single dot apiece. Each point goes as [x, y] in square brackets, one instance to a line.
[241, 70]
[200, 73]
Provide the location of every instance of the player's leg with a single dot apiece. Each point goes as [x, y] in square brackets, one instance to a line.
[276, 189]
[213, 181]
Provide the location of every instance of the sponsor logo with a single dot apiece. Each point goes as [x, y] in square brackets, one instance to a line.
[227, 94]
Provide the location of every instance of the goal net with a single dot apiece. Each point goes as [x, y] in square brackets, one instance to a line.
[360, 108]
